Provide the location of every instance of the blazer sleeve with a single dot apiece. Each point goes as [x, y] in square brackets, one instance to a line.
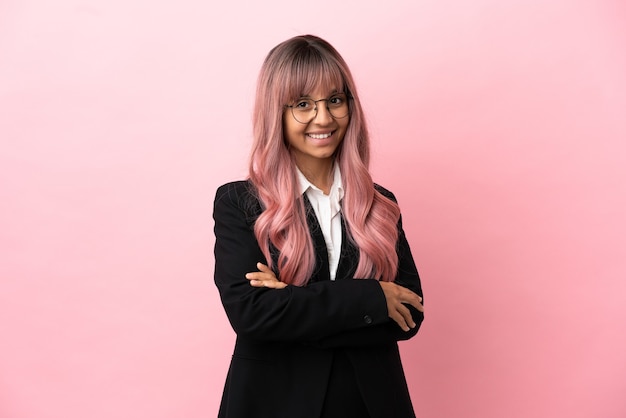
[306, 314]
[387, 331]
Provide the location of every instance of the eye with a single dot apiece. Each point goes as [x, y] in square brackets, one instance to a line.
[337, 100]
[303, 104]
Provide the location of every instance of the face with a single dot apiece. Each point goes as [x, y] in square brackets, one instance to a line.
[314, 142]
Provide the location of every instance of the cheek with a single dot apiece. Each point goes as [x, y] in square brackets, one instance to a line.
[343, 125]
[286, 123]
[291, 131]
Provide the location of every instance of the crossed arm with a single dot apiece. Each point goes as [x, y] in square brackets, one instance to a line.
[396, 296]
[343, 312]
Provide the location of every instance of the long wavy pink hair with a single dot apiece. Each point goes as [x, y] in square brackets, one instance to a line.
[291, 70]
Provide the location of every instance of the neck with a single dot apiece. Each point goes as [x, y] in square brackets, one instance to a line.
[319, 173]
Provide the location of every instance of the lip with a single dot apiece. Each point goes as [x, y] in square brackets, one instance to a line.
[320, 136]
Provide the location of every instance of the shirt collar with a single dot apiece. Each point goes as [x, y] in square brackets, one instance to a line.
[336, 190]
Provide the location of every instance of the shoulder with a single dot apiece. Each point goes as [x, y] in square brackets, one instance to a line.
[238, 194]
[385, 192]
[234, 189]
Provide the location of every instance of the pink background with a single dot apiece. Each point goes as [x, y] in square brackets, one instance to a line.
[500, 125]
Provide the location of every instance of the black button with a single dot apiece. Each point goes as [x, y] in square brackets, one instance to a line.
[367, 319]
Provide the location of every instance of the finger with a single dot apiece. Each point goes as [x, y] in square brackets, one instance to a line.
[264, 268]
[412, 299]
[419, 307]
[408, 294]
[269, 284]
[415, 302]
[396, 316]
[406, 314]
[274, 284]
[257, 275]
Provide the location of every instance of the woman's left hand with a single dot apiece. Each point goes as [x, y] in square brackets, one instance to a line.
[265, 277]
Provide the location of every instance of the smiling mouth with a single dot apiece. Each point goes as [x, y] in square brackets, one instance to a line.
[320, 136]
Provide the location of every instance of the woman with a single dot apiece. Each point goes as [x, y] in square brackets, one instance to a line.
[311, 262]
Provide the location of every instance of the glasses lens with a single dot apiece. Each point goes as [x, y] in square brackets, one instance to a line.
[338, 106]
[305, 110]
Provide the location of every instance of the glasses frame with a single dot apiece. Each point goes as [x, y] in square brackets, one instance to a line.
[348, 98]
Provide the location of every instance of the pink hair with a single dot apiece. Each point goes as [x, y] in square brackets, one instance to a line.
[292, 69]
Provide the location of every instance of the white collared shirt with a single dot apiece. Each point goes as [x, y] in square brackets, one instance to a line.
[327, 209]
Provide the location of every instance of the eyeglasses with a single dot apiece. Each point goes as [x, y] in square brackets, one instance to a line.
[305, 110]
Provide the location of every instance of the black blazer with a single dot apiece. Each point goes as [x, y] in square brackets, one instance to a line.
[287, 338]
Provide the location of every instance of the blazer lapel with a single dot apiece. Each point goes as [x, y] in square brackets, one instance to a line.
[349, 257]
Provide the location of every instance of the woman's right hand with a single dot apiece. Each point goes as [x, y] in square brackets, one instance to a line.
[265, 277]
[396, 297]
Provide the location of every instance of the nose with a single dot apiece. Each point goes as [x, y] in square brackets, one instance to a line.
[323, 115]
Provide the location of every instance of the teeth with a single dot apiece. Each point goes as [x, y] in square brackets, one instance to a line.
[320, 136]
